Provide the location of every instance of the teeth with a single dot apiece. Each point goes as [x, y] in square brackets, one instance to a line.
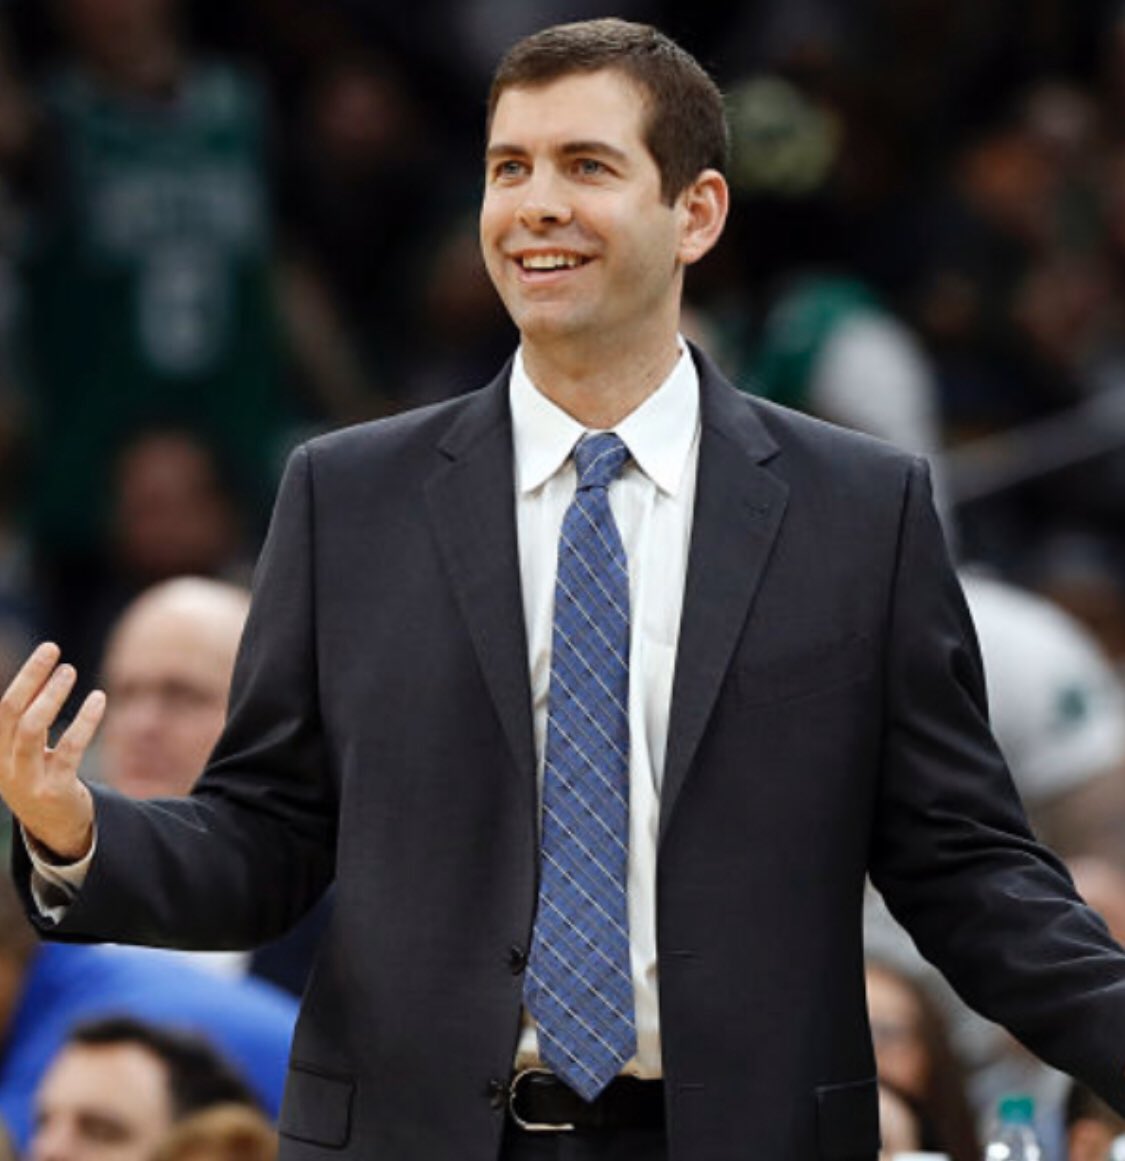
[550, 261]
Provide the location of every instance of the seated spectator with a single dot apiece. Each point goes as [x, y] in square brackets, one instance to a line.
[167, 672]
[829, 347]
[1091, 1127]
[222, 1133]
[173, 513]
[47, 989]
[1058, 711]
[119, 1085]
[914, 1056]
[175, 509]
[151, 248]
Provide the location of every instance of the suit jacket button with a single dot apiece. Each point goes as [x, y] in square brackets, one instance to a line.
[497, 1093]
[517, 959]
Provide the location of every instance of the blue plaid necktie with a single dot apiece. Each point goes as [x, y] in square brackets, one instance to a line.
[579, 985]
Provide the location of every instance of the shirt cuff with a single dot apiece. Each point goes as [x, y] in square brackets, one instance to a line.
[54, 885]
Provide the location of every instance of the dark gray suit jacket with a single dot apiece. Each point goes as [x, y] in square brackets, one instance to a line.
[828, 720]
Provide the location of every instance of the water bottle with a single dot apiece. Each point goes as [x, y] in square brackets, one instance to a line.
[1013, 1133]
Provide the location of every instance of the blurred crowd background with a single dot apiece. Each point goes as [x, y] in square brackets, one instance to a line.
[226, 226]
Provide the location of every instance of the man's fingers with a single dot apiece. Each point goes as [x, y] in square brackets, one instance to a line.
[27, 684]
[77, 736]
[40, 715]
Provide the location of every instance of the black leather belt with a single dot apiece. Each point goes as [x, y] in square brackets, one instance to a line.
[538, 1102]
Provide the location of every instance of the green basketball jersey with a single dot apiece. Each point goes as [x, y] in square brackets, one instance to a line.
[149, 287]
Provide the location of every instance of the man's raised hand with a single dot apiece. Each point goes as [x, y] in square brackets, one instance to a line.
[39, 782]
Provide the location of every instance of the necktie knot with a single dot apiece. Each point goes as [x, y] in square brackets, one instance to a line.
[599, 459]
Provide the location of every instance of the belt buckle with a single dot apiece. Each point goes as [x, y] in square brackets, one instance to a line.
[532, 1126]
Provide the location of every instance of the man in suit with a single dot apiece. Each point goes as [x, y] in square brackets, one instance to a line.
[804, 705]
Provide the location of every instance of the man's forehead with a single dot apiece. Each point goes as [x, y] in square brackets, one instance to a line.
[103, 1066]
[577, 95]
[174, 642]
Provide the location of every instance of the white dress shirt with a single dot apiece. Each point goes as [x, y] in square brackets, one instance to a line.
[652, 503]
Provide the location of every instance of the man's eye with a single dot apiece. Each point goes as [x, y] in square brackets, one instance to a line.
[589, 167]
[104, 1131]
[508, 169]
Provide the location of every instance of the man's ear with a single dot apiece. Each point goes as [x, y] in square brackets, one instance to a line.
[703, 206]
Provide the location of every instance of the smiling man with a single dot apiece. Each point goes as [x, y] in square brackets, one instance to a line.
[598, 692]
[586, 240]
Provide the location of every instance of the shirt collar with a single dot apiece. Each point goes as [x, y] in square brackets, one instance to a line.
[659, 434]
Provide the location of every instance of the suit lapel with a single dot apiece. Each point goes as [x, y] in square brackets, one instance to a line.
[471, 501]
[738, 510]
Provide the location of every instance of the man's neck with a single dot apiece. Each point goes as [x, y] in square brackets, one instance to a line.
[599, 389]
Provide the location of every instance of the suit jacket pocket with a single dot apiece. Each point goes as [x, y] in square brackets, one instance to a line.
[317, 1107]
[804, 671]
[848, 1120]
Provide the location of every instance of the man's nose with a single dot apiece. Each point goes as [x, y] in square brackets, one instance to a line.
[544, 204]
[141, 712]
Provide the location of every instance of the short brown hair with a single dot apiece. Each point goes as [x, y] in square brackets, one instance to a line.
[199, 1076]
[685, 125]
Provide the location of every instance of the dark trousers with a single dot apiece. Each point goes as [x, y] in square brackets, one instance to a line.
[602, 1145]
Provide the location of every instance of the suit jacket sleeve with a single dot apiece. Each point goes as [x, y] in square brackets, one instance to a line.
[252, 848]
[951, 851]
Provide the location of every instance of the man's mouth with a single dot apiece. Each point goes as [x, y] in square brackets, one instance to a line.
[551, 261]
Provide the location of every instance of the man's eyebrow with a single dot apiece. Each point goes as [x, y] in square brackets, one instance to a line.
[574, 148]
[570, 149]
[500, 149]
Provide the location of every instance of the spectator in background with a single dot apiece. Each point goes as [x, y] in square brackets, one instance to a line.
[156, 294]
[118, 1086]
[47, 989]
[829, 347]
[364, 155]
[149, 271]
[173, 512]
[226, 1132]
[1058, 712]
[1091, 1127]
[915, 1058]
[167, 668]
